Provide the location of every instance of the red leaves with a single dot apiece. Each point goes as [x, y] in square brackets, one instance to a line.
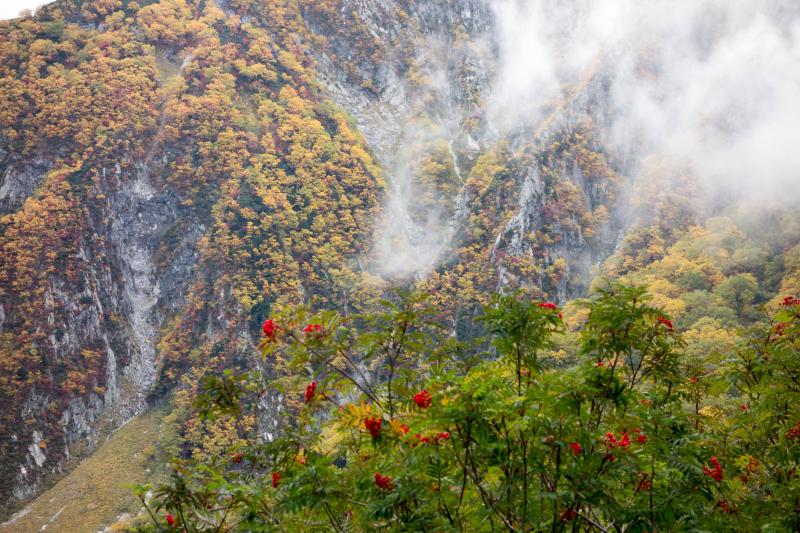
[311, 388]
[170, 520]
[237, 457]
[790, 301]
[664, 321]
[276, 479]
[576, 448]
[384, 482]
[715, 472]
[547, 305]
[268, 328]
[423, 399]
[779, 328]
[444, 435]
[373, 425]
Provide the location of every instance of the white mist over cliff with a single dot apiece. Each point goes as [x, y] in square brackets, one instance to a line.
[710, 88]
[10, 9]
[713, 85]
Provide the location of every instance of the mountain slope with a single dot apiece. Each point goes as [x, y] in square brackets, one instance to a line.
[173, 169]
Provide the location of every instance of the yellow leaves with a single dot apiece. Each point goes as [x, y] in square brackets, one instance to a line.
[487, 166]
[99, 9]
[289, 62]
[714, 413]
[749, 464]
[165, 21]
[353, 415]
[74, 383]
[397, 426]
[215, 437]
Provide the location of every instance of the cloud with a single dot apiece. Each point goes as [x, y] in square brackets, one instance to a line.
[413, 231]
[711, 84]
[708, 86]
[10, 9]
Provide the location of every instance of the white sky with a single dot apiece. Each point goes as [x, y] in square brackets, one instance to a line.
[9, 9]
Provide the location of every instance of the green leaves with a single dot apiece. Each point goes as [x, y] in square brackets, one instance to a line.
[622, 440]
[220, 395]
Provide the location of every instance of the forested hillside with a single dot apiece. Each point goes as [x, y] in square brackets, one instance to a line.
[174, 172]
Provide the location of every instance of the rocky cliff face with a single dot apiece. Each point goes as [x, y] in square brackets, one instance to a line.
[158, 226]
[115, 311]
[433, 105]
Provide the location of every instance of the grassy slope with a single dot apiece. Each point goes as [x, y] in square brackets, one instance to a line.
[95, 494]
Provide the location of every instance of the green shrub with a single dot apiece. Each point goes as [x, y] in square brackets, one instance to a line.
[392, 425]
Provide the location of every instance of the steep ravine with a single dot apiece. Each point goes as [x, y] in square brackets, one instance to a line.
[119, 311]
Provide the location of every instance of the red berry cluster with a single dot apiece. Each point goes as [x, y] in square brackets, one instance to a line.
[576, 448]
[789, 301]
[384, 482]
[311, 388]
[373, 425]
[268, 328]
[170, 520]
[547, 305]
[715, 472]
[276, 479]
[315, 329]
[439, 437]
[664, 321]
[423, 399]
[623, 441]
[779, 328]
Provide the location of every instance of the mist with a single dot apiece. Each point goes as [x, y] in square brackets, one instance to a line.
[412, 233]
[707, 87]
[418, 221]
[711, 85]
